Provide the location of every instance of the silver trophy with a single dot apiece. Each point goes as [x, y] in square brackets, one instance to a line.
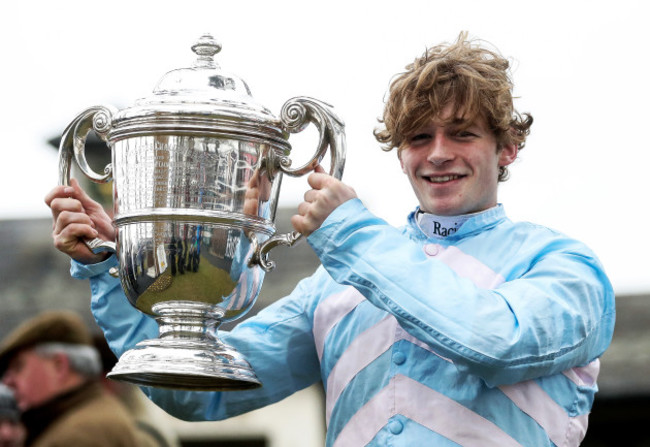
[196, 170]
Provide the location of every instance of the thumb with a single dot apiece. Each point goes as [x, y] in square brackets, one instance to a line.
[81, 195]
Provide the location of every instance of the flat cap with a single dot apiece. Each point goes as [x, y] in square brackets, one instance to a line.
[48, 327]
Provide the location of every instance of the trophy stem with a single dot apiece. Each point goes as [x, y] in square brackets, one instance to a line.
[187, 355]
[187, 320]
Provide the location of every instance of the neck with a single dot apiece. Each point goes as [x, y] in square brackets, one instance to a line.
[441, 226]
[71, 381]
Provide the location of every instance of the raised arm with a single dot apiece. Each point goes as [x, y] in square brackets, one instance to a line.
[548, 307]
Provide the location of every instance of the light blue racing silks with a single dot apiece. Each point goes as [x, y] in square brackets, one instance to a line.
[488, 337]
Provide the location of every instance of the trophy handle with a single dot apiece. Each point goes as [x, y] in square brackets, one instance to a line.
[73, 144]
[296, 114]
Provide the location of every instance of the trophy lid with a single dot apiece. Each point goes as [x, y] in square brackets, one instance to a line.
[200, 99]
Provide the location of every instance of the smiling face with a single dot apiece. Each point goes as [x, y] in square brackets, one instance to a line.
[453, 166]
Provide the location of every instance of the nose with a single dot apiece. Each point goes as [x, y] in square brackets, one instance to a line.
[439, 151]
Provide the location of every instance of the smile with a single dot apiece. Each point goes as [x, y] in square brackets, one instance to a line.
[444, 178]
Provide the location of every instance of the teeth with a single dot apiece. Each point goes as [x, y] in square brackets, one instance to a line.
[443, 178]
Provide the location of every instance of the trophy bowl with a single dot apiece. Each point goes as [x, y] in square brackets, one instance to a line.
[196, 171]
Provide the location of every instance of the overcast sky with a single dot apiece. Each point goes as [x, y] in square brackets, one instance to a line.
[580, 68]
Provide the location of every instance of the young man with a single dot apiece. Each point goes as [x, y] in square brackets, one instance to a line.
[461, 328]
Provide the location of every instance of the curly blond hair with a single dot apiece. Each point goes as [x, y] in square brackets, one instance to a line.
[466, 76]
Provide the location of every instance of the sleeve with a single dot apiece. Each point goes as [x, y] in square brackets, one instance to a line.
[278, 343]
[559, 313]
[123, 325]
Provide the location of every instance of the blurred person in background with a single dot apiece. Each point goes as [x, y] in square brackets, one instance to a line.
[53, 369]
[12, 431]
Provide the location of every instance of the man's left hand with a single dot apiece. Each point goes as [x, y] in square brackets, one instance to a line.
[326, 195]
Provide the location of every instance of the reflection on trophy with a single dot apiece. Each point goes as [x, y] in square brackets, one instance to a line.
[196, 171]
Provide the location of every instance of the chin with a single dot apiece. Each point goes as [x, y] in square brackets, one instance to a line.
[444, 210]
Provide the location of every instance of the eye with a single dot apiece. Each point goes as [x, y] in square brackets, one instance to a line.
[419, 138]
[465, 134]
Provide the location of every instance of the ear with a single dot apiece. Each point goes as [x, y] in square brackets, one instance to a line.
[508, 154]
[61, 363]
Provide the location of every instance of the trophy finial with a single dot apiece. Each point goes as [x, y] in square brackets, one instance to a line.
[205, 48]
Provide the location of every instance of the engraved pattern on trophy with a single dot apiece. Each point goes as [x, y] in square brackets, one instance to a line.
[196, 169]
[164, 181]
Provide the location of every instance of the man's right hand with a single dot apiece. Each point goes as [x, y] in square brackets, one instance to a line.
[77, 217]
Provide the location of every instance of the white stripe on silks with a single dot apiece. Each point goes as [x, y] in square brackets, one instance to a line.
[577, 430]
[469, 267]
[428, 408]
[441, 414]
[366, 423]
[530, 398]
[584, 375]
[369, 345]
[330, 311]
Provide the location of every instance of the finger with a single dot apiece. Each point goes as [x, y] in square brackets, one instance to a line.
[318, 180]
[80, 194]
[71, 234]
[66, 204]
[302, 225]
[68, 218]
[72, 243]
[58, 192]
[303, 209]
[296, 223]
[310, 195]
[59, 205]
[320, 169]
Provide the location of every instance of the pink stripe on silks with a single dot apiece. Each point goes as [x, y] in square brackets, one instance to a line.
[577, 430]
[584, 375]
[469, 267]
[369, 345]
[330, 311]
[367, 422]
[428, 408]
[441, 414]
[536, 403]
[576, 427]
